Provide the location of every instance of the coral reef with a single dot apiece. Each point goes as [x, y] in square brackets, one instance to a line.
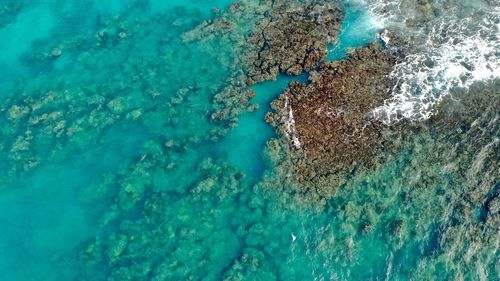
[172, 239]
[272, 37]
[8, 12]
[292, 39]
[433, 205]
[327, 121]
[53, 118]
[415, 201]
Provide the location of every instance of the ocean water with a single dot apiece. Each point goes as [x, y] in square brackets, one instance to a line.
[112, 167]
[250, 136]
[359, 28]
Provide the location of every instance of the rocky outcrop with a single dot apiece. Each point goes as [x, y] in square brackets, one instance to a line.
[292, 39]
[327, 121]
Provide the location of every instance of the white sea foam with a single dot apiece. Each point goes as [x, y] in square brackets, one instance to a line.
[454, 49]
[290, 125]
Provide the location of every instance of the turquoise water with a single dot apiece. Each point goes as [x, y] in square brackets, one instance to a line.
[358, 29]
[250, 136]
[113, 169]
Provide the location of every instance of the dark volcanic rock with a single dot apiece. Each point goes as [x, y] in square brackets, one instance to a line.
[292, 39]
[327, 121]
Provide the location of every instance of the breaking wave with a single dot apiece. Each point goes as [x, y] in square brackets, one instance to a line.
[446, 45]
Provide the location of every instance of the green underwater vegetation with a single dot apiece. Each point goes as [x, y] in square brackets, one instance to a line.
[135, 145]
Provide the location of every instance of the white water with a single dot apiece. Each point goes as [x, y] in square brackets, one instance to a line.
[455, 48]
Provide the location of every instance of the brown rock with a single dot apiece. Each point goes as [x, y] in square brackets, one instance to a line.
[292, 39]
[327, 122]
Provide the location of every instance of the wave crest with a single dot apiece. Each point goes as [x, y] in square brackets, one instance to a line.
[451, 44]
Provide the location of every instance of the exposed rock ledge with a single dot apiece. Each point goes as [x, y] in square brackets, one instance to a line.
[327, 121]
[292, 39]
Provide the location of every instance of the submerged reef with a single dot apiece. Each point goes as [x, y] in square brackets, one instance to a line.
[345, 196]
[327, 121]
[145, 90]
[170, 239]
[431, 201]
[8, 11]
[465, 146]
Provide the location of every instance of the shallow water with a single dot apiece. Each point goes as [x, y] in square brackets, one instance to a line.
[111, 168]
[359, 28]
[251, 135]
